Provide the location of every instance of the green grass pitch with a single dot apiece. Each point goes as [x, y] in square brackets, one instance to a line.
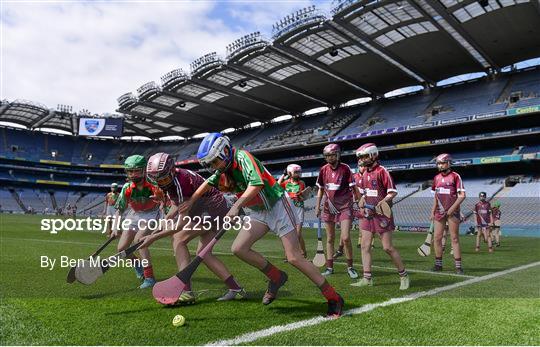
[39, 307]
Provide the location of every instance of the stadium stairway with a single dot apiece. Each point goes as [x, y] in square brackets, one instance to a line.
[53, 200]
[19, 201]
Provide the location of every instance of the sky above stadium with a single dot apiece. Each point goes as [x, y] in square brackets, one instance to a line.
[87, 53]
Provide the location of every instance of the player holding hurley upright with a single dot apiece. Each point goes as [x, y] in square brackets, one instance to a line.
[449, 194]
[483, 213]
[294, 186]
[496, 217]
[240, 172]
[178, 185]
[110, 201]
[336, 183]
[377, 187]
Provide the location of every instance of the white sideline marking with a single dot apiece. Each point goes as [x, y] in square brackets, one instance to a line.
[229, 254]
[255, 335]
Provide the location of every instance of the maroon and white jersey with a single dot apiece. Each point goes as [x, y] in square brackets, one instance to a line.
[482, 210]
[496, 213]
[375, 184]
[357, 178]
[337, 185]
[446, 189]
[185, 183]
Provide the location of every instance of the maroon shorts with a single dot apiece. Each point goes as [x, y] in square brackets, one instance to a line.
[344, 214]
[213, 207]
[377, 224]
[441, 216]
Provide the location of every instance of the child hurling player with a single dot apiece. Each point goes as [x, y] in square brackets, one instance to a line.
[238, 171]
[110, 201]
[377, 186]
[483, 213]
[336, 182]
[180, 184]
[136, 200]
[449, 194]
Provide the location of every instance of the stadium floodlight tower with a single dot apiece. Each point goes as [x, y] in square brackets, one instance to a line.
[174, 79]
[206, 63]
[148, 90]
[250, 42]
[307, 16]
[126, 100]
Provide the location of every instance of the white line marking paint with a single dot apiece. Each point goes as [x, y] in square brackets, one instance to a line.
[255, 335]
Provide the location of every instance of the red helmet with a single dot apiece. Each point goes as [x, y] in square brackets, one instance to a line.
[369, 149]
[443, 158]
[159, 169]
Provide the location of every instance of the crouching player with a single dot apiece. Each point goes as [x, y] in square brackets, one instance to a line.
[237, 170]
[482, 210]
[377, 186]
[336, 182]
[179, 185]
[294, 186]
[136, 201]
[449, 194]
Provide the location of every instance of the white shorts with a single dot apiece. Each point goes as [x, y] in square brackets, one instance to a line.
[136, 216]
[281, 219]
[299, 213]
[110, 211]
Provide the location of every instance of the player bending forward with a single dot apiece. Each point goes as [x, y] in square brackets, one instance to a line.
[137, 201]
[294, 186]
[376, 186]
[449, 194]
[482, 211]
[179, 185]
[242, 173]
[336, 182]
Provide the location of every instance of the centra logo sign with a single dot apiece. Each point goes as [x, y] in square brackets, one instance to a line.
[490, 160]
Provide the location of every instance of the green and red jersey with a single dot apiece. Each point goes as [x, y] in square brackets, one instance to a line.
[246, 170]
[294, 188]
[137, 199]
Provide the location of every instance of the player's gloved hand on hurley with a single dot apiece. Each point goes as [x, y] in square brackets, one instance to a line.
[285, 174]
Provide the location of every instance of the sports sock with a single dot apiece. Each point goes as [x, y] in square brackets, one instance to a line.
[458, 263]
[402, 273]
[232, 284]
[438, 261]
[349, 262]
[329, 292]
[272, 272]
[367, 275]
[330, 263]
[148, 272]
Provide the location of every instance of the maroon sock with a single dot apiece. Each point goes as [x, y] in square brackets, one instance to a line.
[349, 262]
[232, 284]
[148, 272]
[329, 292]
[272, 272]
[330, 263]
[187, 288]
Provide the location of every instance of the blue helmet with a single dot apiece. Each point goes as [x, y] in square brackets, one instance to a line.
[213, 146]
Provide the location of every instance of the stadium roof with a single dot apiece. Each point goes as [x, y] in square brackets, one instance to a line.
[364, 48]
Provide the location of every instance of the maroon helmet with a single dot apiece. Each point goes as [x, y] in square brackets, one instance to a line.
[159, 169]
[444, 158]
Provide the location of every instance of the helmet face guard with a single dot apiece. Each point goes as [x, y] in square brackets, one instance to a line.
[215, 147]
[330, 151]
[367, 154]
[443, 162]
[134, 167]
[160, 169]
[482, 196]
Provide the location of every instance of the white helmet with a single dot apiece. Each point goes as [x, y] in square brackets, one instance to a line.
[291, 168]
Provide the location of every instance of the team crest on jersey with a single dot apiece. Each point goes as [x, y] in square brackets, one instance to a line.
[374, 183]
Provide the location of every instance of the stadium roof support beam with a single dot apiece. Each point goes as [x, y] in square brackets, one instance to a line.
[358, 36]
[159, 107]
[151, 116]
[230, 91]
[220, 108]
[282, 85]
[138, 131]
[432, 9]
[44, 119]
[306, 60]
